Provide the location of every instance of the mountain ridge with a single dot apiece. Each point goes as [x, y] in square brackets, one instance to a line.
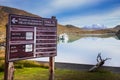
[94, 27]
[5, 11]
[117, 27]
[69, 29]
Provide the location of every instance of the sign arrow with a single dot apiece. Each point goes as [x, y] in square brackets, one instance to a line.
[14, 20]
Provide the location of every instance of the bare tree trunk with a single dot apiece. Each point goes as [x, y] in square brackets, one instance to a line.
[99, 64]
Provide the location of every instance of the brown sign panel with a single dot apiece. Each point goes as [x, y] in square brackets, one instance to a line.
[31, 37]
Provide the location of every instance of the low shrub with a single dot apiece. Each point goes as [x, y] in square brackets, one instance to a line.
[29, 63]
[1, 65]
[20, 66]
[24, 63]
[2, 58]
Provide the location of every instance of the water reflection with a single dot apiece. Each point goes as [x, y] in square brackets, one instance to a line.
[118, 34]
[84, 49]
[117, 37]
[68, 38]
[63, 38]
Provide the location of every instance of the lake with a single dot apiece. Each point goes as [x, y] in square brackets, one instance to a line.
[83, 49]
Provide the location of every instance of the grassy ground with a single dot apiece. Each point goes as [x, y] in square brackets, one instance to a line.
[31, 70]
[43, 74]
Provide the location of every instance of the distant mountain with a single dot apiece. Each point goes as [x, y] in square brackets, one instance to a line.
[5, 11]
[117, 28]
[94, 27]
[70, 29]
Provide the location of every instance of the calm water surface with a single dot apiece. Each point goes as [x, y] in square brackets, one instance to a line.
[84, 50]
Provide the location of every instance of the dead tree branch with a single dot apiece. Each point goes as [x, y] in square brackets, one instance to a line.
[100, 62]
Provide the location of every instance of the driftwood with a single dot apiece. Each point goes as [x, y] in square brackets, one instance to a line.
[100, 63]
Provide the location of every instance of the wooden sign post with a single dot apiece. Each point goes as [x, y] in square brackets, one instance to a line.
[51, 68]
[30, 37]
[9, 71]
[9, 66]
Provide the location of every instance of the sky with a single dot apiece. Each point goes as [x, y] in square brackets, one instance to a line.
[75, 12]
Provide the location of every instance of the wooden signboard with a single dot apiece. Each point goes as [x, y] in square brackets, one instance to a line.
[30, 37]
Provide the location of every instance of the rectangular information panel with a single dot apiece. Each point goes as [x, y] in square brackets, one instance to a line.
[31, 37]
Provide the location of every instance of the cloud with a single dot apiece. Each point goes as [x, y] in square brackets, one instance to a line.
[64, 4]
[4, 2]
[10, 3]
[58, 6]
[110, 19]
[69, 11]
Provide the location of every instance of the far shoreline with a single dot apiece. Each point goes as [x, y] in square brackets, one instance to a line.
[81, 67]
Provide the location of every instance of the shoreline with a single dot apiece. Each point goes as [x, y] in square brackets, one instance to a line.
[81, 67]
[98, 34]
